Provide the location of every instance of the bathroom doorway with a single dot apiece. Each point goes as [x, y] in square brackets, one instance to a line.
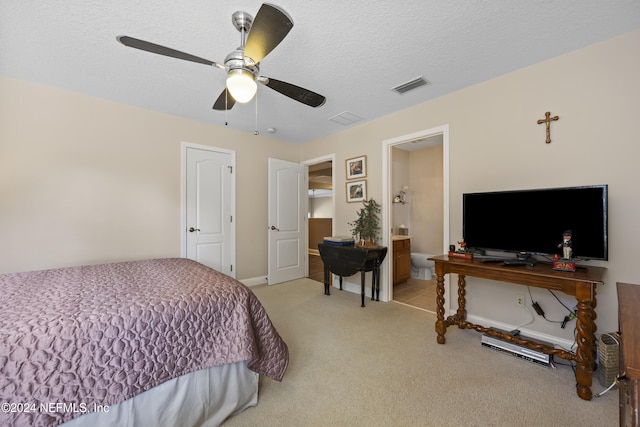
[417, 204]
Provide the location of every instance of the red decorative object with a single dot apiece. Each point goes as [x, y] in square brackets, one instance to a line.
[463, 255]
[564, 265]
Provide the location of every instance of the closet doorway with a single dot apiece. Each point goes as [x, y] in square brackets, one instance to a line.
[320, 211]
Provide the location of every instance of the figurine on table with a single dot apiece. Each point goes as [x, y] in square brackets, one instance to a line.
[566, 245]
[462, 253]
[565, 263]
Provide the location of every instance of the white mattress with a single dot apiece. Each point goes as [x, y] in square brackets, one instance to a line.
[203, 398]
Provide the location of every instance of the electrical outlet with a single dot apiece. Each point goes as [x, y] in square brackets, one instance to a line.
[520, 300]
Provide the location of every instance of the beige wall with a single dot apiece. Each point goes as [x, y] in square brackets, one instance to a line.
[496, 144]
[84, 180]
[352, 142]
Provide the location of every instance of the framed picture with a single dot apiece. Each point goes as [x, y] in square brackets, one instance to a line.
[356, 191]
[357, 167]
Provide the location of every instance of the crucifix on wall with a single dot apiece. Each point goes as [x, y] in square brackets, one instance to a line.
[547, 120]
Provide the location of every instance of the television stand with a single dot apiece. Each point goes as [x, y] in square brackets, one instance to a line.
[580, 283]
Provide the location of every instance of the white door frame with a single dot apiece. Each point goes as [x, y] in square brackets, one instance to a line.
[387, 277]
[183, 198]
[326, 158]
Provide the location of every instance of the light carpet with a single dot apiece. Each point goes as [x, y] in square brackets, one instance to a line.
[381, 366]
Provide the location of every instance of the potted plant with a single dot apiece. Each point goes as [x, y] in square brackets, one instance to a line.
[365, 228]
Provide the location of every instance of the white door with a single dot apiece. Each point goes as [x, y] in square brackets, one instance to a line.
[286, 227]
[209, 213]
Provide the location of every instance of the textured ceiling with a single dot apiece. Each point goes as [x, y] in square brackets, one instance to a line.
[351, 51]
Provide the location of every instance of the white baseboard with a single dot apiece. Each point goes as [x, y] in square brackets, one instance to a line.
[560, 342]
[353, 287]
[255, 281]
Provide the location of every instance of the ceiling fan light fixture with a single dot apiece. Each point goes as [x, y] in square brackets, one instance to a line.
[258, 37]
[241, 85]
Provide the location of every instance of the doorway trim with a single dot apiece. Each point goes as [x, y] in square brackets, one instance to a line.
[326, 158]
[184, 146]
[387, 276]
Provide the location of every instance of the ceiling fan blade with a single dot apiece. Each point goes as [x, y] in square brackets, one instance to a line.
[162, 50]
[297, 93]
[225, 101]
[269, 28]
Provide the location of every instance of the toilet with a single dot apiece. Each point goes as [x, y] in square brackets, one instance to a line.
[421, 267]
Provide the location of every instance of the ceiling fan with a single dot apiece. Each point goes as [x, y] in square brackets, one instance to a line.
[258, 37]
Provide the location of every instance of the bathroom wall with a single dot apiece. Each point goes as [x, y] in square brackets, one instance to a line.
[400, 214]
[426, 200]
[422, 171]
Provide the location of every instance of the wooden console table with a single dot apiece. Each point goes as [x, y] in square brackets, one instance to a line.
[581, 284]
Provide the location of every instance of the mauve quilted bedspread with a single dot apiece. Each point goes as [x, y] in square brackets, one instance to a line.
[101, 334]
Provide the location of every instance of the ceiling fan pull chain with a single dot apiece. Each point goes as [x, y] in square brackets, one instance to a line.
[226, 110]
[255, 132]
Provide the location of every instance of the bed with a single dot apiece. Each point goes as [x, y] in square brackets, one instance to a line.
[154, 342]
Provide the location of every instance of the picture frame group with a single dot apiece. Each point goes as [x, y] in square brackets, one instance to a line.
[356, 168]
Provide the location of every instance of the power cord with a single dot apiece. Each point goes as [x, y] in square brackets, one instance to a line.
[571, 316]
[607, 389]
[567, 318]
[516, 331]
[540, 311]
[561, 303]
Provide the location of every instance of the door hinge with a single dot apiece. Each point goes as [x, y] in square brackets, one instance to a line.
[231, 218]
[230, 169]
[231, 267]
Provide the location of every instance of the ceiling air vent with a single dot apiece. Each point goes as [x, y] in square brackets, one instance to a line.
[345, 118]
[410, 85]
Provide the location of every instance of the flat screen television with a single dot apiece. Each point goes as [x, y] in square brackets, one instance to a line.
[533, 221]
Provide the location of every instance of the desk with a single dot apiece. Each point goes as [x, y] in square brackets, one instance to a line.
[347, 261]
[581, 284]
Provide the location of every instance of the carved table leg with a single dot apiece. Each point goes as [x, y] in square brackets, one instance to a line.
[585, 351]
[461, 314]
[441, 328]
